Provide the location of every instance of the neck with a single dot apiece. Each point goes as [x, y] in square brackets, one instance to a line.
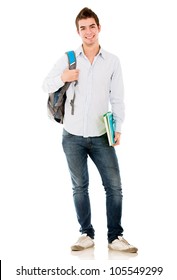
[91, 51]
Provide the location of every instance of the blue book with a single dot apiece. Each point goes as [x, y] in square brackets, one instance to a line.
[110, 127]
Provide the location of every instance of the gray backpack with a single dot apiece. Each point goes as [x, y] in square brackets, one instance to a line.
[56, 100]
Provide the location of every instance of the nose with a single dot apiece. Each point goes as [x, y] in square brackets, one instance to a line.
[88, 31]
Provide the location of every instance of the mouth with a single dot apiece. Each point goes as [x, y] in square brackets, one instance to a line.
[89, 37]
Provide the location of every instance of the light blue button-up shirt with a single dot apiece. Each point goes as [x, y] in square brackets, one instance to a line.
[99, 89]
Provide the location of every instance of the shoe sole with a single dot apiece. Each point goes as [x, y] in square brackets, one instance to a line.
[80, 248]
[130, 250]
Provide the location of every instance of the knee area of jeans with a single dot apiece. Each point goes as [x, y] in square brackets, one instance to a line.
[80, 181]
[113, 190]
[112, 182]
[80, 190]
[116, 186]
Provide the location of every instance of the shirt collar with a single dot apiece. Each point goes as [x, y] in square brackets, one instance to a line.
[80, 51]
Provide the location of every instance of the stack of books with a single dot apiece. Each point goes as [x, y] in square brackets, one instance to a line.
[109, 124]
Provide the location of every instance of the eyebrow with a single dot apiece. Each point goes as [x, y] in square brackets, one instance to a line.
[91, 25]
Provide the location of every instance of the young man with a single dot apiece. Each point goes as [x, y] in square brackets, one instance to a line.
[96, 83]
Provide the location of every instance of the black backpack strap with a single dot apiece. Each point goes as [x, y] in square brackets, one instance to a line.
[56, 100]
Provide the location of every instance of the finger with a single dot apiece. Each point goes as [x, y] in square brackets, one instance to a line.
[76, 71]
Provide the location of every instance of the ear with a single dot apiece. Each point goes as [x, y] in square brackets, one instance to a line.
[77, 30]
[99, 28]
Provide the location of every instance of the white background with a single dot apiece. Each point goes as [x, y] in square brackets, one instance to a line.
[38, 222]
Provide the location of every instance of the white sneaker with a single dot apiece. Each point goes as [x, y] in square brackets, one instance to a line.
[82, 243]
[120, 244]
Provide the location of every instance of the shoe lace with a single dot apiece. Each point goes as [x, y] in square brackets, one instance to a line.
[123, 240]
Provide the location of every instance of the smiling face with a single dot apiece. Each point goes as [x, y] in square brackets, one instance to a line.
[88, 31]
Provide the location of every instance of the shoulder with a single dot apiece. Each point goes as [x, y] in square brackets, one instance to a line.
[108, 55]
[111, 58]
[63, 60]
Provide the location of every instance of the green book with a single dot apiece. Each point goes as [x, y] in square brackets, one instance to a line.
[109, 124]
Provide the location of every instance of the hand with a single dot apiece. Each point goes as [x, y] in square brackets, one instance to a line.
[70, 75]
[117, 138]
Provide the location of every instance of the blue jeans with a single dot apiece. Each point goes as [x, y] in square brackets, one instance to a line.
[77, 149]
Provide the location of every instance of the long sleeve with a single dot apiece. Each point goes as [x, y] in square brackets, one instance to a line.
[117, 96]
[53, 81]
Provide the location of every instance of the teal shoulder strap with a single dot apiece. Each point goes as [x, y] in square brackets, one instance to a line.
[71, 59]
[72, 65]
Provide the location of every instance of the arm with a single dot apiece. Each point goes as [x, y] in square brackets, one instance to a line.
[117, 99]
[53, 80]
[58, 75]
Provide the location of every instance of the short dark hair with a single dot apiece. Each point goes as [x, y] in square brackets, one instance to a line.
[86, 13]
